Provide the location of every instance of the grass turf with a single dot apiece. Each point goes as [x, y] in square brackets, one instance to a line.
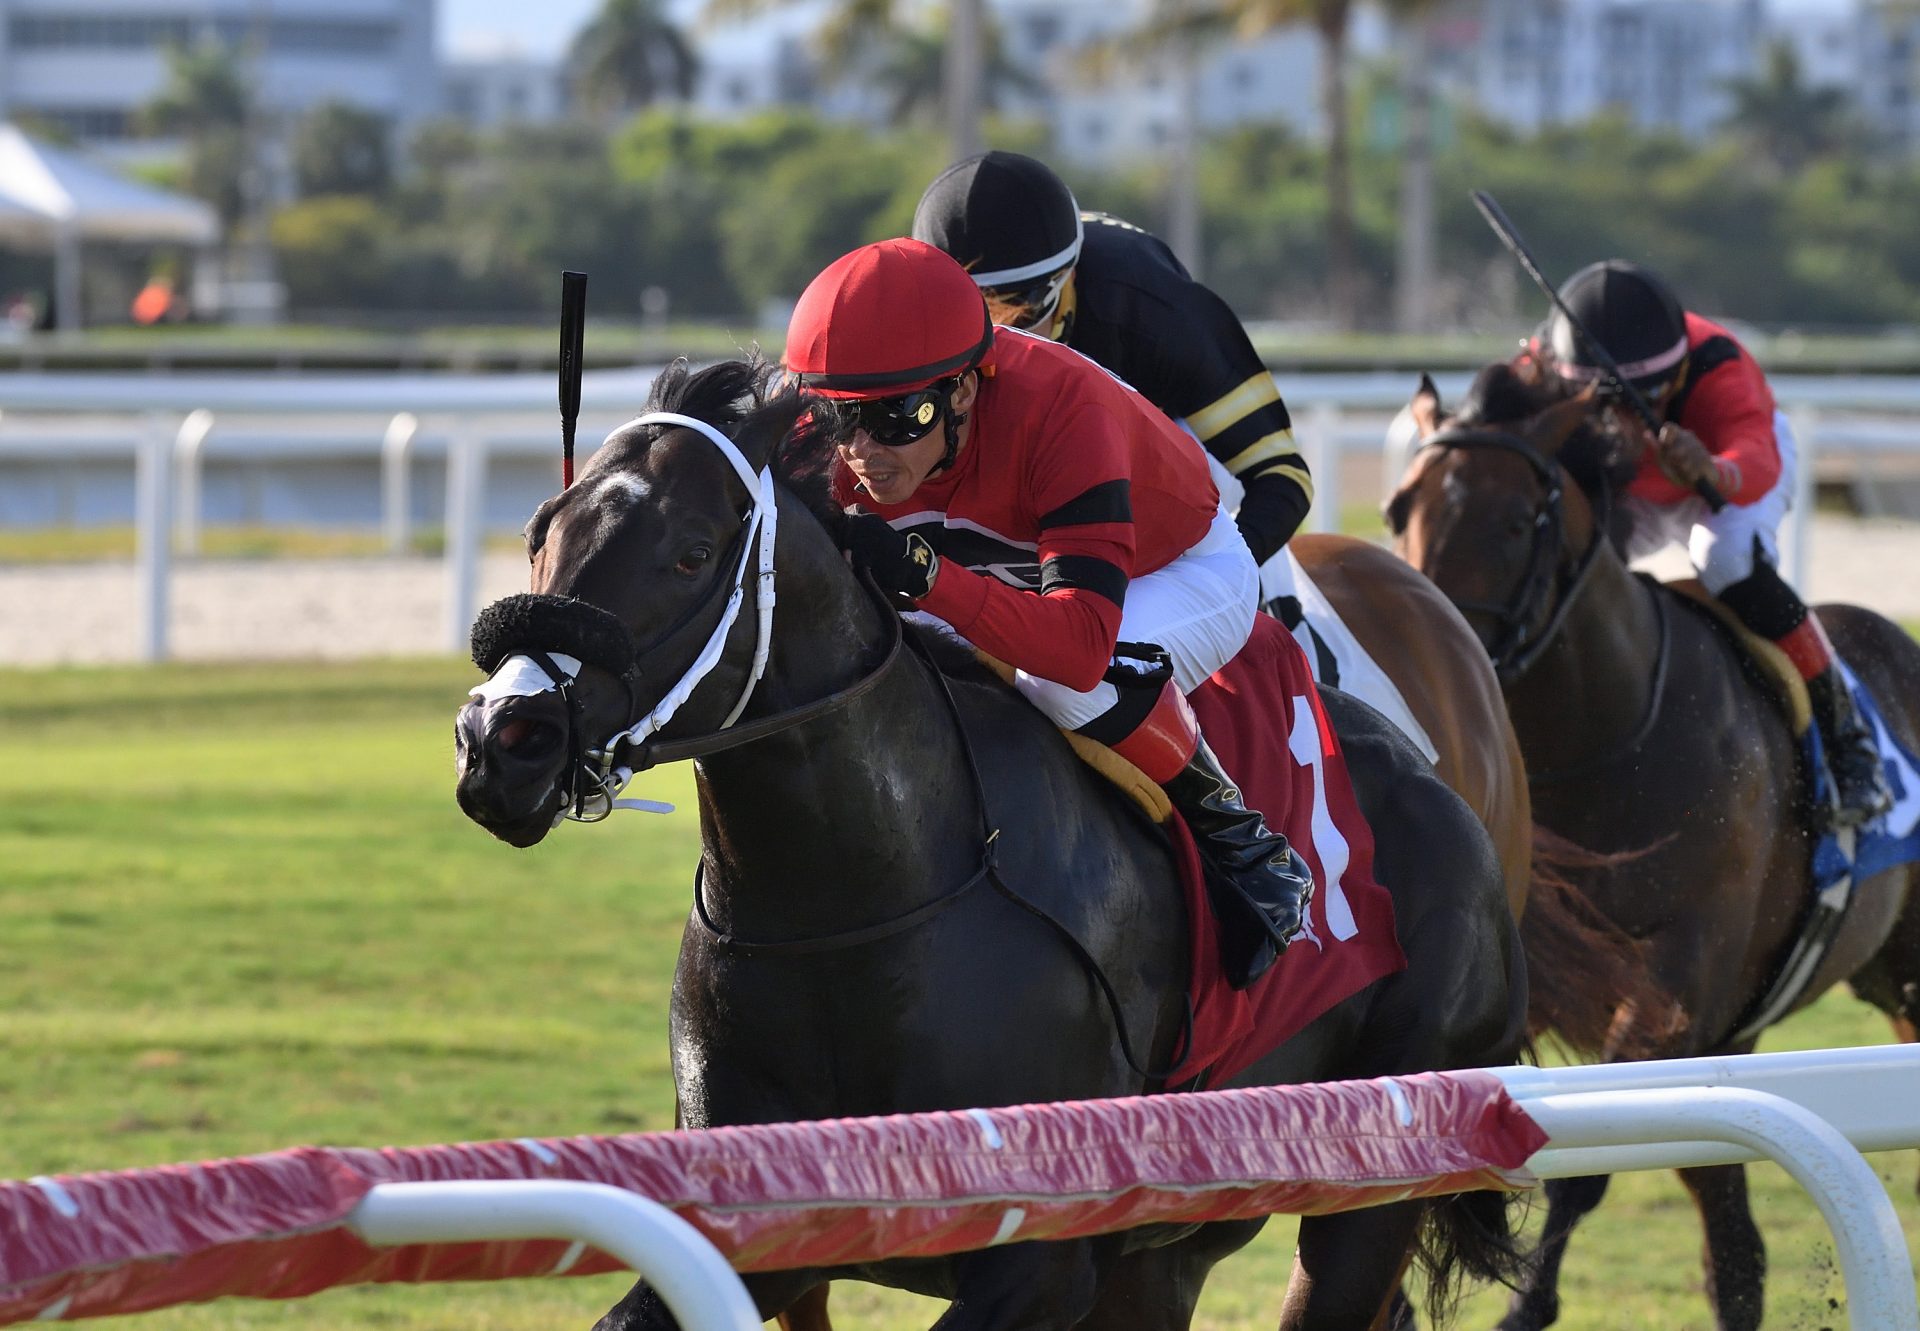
[242, 913]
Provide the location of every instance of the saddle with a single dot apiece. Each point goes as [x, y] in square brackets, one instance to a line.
[1769, 663]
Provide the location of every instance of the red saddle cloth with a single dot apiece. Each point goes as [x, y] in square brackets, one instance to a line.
[1262, 715]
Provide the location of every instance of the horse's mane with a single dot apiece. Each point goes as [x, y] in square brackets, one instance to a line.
[1502, 397]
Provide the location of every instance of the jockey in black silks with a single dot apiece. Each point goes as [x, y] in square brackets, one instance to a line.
[1117, 294]
[1045, 511]
[1721, 426]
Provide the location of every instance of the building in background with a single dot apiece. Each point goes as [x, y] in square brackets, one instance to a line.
[88, 66]
[489, 91]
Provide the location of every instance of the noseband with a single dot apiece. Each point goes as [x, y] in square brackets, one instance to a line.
[1518, 645]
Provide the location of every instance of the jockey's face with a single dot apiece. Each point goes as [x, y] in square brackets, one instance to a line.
[890, 474]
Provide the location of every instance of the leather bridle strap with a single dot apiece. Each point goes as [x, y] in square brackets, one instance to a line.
[1519, 648]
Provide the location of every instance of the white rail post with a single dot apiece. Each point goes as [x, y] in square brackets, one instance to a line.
[1323, 445]
[396, 489]
[1866, 1229]
[189, 448]
[465, 523]
[153, 534]
[689, 1273]
[1805, 422]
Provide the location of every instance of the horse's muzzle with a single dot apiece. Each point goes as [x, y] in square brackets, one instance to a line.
[510, 754]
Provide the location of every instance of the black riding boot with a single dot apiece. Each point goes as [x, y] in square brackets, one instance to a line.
[1859, 779]
[1258, 884]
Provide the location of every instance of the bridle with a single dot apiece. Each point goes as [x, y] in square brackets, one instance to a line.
[595, 776]
[1518, 643]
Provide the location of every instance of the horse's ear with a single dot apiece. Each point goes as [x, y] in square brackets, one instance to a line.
[1551, 429]
[1425, 407]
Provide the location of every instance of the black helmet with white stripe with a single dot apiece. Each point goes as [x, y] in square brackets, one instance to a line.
[1632, 313]
[1013, 225]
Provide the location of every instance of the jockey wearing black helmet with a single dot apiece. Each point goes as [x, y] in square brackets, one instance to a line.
[1720, 425]
[1117, 295]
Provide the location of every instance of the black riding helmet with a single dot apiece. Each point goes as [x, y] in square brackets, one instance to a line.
[1010, 221]
[1632, 313]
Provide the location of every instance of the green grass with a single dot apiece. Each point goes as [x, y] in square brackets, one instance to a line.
[242, 912]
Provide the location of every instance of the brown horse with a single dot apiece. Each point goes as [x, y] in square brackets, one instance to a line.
[1649, 742]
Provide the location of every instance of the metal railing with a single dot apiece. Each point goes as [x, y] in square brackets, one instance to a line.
[167, 426]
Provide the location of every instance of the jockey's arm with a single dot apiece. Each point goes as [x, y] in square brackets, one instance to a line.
[1732, 415]
[1081, 490]
[1231, 404]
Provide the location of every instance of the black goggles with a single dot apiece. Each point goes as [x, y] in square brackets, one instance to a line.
[898, 421]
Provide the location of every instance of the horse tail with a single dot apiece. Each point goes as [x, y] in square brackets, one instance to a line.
[1591, 982]
[1468, 1238]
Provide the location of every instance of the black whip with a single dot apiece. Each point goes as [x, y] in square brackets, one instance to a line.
[1510, 237]
[573, 321]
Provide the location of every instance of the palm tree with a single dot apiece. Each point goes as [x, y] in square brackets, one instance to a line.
[206, 102]
[628, 56]
[855, 29]
[912, 66]
[1787, 121]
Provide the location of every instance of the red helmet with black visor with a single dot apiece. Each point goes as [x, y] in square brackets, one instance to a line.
[887, 331]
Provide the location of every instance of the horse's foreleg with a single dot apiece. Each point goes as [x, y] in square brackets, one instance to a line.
[1536, 1303]
[1156, 1289]
[1735, 1257]
[1348, 1266]
[809, 1311]
[772, 1292]
[1029, 1286]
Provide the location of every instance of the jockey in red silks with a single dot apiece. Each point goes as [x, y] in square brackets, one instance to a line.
[1046, 512]
[1721, 426]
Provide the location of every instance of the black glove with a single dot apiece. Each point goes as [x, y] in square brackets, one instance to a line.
[898, 562]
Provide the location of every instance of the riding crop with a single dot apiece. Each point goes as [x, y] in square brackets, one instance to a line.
[573, 319]
[1510, 237]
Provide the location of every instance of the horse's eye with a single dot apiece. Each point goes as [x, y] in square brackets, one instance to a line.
[691, 561]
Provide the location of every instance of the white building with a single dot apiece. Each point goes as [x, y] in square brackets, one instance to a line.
[1661, 63]
[89, 65]
[489, 91]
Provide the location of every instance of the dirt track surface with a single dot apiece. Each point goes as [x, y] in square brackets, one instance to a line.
[346, 608]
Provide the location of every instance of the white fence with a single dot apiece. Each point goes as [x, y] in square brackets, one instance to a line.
[166, 425]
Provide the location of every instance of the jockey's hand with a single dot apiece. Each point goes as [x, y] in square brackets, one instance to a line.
[1684, 459]
[899, 563]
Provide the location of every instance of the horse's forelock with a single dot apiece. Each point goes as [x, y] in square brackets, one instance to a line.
[1502, 396]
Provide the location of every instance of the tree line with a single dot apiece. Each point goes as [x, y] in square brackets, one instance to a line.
[1790, 216]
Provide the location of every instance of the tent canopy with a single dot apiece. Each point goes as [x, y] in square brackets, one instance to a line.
[45, 192]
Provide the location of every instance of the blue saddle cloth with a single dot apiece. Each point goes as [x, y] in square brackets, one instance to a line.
[1891, 839]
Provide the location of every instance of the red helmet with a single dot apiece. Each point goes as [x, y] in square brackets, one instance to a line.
[887, 319]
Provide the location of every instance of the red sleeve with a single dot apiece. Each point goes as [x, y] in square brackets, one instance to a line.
[1731, 411]
[1078, 481]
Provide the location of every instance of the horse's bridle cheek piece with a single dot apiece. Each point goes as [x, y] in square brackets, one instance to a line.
[1519, 645]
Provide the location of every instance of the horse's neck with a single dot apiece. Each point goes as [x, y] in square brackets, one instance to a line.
[803, 830]
[1589, 691]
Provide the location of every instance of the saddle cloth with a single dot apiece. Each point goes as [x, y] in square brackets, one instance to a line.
[1262, 715]
[1335, 655]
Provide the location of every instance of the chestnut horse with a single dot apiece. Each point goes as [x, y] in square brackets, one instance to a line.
[1650, 744]
[840, 826]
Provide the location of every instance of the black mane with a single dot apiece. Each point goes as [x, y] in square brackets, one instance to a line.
[1501, 398]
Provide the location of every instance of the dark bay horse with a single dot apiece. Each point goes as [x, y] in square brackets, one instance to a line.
[840, 826]
[1649, 743]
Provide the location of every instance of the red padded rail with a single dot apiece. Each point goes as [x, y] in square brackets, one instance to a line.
[797, 1194]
